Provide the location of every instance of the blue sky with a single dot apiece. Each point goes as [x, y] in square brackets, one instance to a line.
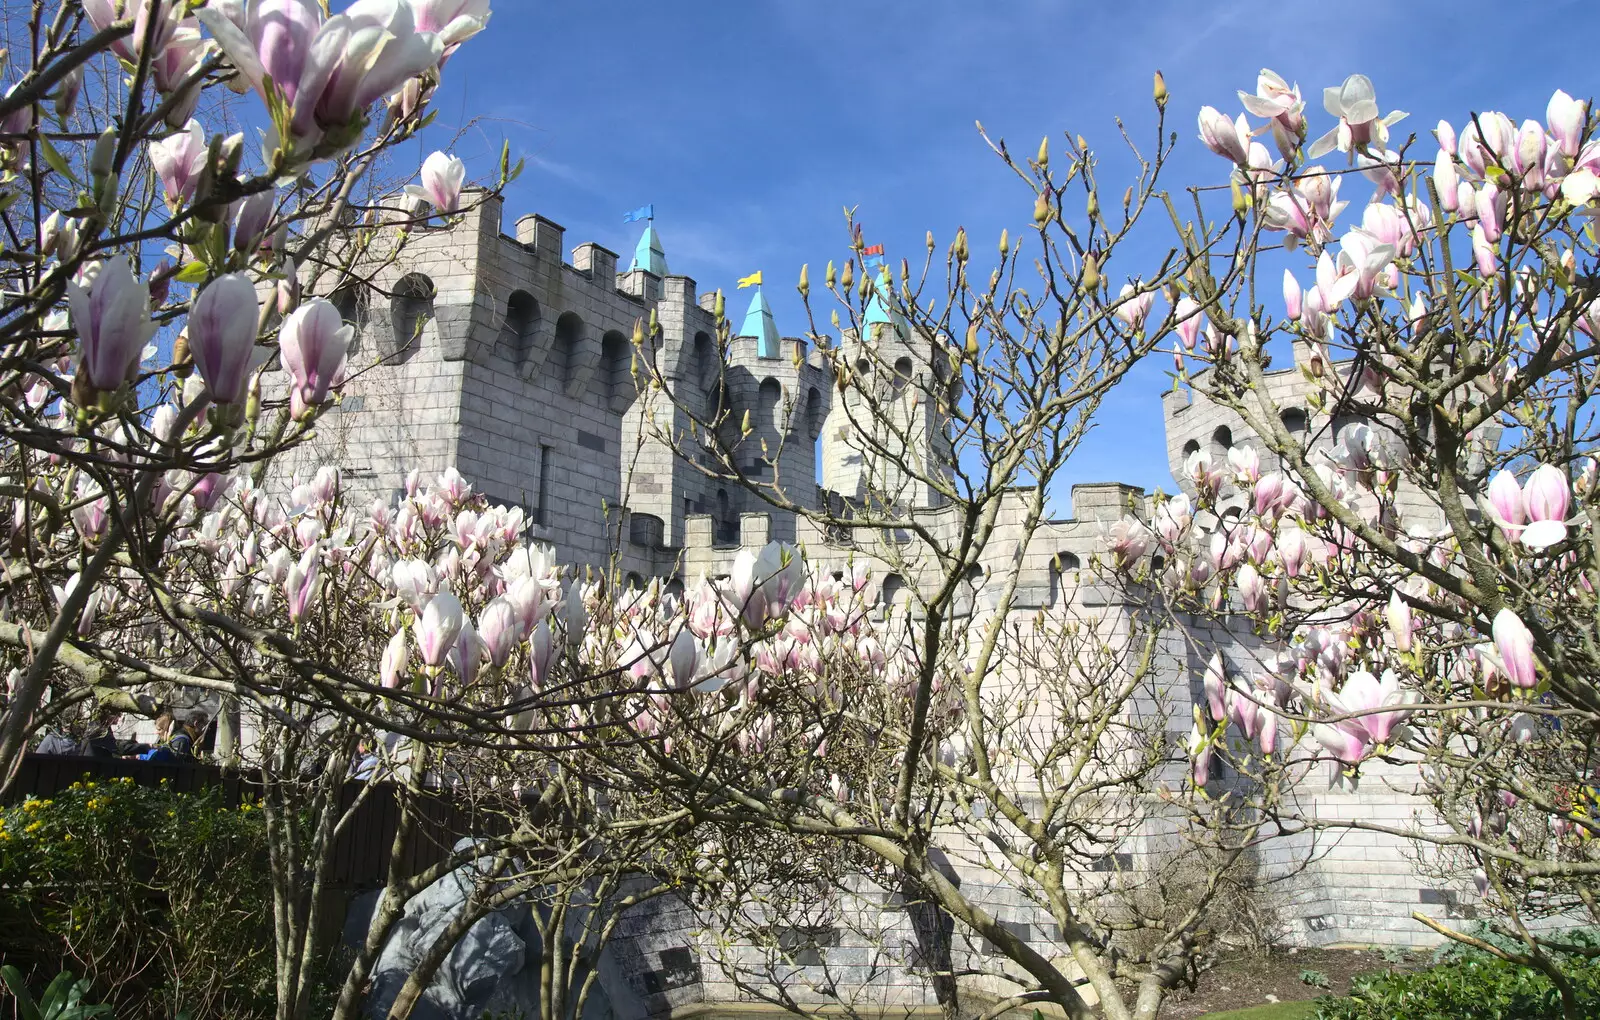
[751, 125]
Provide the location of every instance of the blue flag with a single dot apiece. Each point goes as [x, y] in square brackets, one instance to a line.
[644, 212]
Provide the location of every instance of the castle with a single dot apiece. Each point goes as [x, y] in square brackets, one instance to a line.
[492, 353]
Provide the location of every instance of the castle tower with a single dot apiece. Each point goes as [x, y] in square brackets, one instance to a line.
[786, 395]
[895, 375]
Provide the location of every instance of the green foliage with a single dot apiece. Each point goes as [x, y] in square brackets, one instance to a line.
[1315, 978]
[162, 900]
[1270, 1011]
[1472, 986]
[63, 999]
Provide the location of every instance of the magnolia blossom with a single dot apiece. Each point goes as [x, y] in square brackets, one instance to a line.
[1276, 99]
[392, 666]
[454, 21]
[222, 335]
[324, 71]
[1355, 103]
[1546, 497]
[1514, 642]
[1133, 307]
[438, 627]
[112, 319]
[1189, 317]
[178, 161]
[442, 178]
[1226, 138]
[313, 342]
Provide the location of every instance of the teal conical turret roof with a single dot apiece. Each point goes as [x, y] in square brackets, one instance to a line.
[648, 254]
[758, 322]
[880, 308]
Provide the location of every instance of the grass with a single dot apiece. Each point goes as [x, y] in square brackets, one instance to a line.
[1271, 1011]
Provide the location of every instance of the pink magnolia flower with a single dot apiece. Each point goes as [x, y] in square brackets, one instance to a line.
[1446, 134]
[1514, 642]
[1546, 497]
[1346, 741]
[1566, 117]
[313, 342]
[1363, 692]
[453, 21]
[1505, 502]
[442, 178]
[1243, 710]
[1291, 296]
[1227, 138]
[541, 653]
[1362, 259]
[1132, 307]
[499, 630]
[102, 14]
[1252, 589]
[1189, 317]
[1216, 683]
[1398, 616]
[1488, 140]
[1201, 751]
[466, 656]
[112, 318]
[1128, 540]
[1446, 180]
[1278, 100]
[438, 627]
[392, 666]
[178, 161]
[302, 582]
[1355, 103]
[326, 72]
[222, 335]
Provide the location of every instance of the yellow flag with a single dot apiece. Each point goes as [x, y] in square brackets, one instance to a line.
[753, 278]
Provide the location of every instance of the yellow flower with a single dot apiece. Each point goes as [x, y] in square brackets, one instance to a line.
[33, 827]
[67, 837]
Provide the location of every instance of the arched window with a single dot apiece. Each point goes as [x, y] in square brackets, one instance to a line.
[892, 591]
[517, 334]
[1221, 441]
[674, 587]
[902, 375]
[769, 405]
[410, 312]
[706, 368]
[1190, 448]
[616, 356]
[563, 359]
[1295, 421]
[348, 301]
[814, 412]
[635, 581]
[1063, 576]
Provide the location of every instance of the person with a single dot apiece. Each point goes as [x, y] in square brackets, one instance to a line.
[185, 739]
[101, 741]
[175, 741]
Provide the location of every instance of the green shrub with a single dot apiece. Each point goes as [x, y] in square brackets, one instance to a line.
[1473, 986]
[161, 900]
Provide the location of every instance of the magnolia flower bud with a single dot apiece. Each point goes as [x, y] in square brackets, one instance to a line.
[438, 627]
[222, 335]
[1514, 642]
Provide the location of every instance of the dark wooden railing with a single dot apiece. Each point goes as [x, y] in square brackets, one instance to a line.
[361, 853]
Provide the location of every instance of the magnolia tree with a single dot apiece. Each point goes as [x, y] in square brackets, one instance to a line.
[959, 751]
[1414, 534]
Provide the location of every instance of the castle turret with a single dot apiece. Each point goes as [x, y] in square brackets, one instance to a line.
[896, 373]
[785, 395]
[648, 254]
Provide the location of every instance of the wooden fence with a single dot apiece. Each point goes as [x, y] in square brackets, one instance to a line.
[361, 853]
